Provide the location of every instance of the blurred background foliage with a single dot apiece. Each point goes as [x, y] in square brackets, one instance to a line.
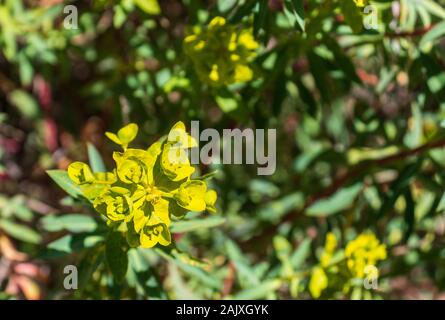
[359, 114]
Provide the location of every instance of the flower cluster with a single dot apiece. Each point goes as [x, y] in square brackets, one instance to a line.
[363, 251]
[148, 187]
[319, 279]
[221, 53]
[338, 267]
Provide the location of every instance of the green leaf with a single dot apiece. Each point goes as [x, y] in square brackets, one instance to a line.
[116, 255]
[244, 270]
[62, 179]
[191, 225]
[19, 231]
[260, 291]
[276, 209]
[352, 14]
[320, 71]
[433, 7]
[95, 159]
[263, 188]
[17, 206]
[141, 276]
[294, 11]
[71, 243]
[173, 253]
[299, 256]
[119, 16]
[227, 104]
[342, 60]
[92, 259]
[436, 33]
[260, 16]
[409, 213]
[26, 69]
[190, 265]
[339, 201]
[226, 5]
[398, 186]
[441, 206]
[243, 10]
[205, 277]
[149, 6]
[25, 103]
[307, 97]
[71, 222]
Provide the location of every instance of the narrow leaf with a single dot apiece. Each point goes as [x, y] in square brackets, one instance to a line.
[95, 159]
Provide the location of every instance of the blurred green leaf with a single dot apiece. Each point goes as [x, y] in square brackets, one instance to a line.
[341, 200]
[227, 104]
[260, 291]
[299, 256]
[244, 270]
[191, 225]
[149, 6]
[71, 243]
[294, 11]
[72, 222]
[276, 209]
[352, 14]
[19, 231]
[25, 103]
[434, 34]
[116, 255]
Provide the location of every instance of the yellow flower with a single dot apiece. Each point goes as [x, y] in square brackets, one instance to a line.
[124, 136]
[147, 187]
[329, 249]
[80, 173]
[134, 166]
[191, 195]
[361, 3]
[318, 282]
[116, 204]
[365, 250]
[91, 184]
[319, 279]
[221, 53]
[174, 159]
[152, 235]
[210, 200]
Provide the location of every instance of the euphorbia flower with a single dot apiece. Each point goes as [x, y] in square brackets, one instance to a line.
[148, 187]
[221, 53]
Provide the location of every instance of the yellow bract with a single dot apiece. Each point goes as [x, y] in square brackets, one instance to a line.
[340, 268]
[124, 136]
[361, 3]
[147, 187]
[153, 235]
[329, 249]
[191, 195]
[318, 282]
[210, 199]
[80, 173]
[221, 52]
[365, 250]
